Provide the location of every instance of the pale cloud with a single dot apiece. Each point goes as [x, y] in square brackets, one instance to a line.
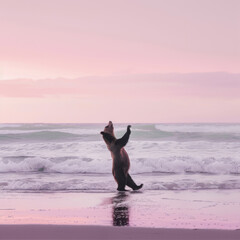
[194, 97]
[210, 85]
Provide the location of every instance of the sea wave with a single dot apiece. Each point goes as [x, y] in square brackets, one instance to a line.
[74, 164]
[200, 127]
[41, 136]
[175, 133]
[140, 132]
[55, 156]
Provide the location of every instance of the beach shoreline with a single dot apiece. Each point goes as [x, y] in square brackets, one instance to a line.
[50, 232]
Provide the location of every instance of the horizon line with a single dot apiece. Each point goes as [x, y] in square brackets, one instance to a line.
[119, 75]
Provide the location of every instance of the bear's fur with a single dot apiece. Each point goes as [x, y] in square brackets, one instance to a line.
[121, 162]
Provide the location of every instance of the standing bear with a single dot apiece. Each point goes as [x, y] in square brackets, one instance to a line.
[121, 162]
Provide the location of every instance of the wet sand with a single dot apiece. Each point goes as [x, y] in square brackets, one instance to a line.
[132, 215]
[166, 209]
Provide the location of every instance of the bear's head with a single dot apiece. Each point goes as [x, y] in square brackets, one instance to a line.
[109, 129]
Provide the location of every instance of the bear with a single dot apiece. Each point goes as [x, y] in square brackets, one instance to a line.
[121, 162]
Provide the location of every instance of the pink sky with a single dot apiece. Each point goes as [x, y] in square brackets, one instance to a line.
[148, 43]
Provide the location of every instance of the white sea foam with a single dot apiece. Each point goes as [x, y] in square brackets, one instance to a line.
[146, 157]
[202, 128]
[104, 182]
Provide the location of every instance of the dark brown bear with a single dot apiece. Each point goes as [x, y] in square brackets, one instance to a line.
[120, 157]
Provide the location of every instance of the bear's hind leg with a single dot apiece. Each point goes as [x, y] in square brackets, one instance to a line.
[132, 184]
[120, 179]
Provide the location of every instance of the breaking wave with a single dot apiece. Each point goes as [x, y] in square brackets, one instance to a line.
[74, 164]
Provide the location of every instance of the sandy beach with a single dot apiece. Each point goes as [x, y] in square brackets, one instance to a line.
[50, 232]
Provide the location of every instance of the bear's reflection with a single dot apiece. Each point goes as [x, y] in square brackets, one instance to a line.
[120, 213]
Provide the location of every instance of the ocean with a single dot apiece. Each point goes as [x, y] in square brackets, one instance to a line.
[74, 157]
